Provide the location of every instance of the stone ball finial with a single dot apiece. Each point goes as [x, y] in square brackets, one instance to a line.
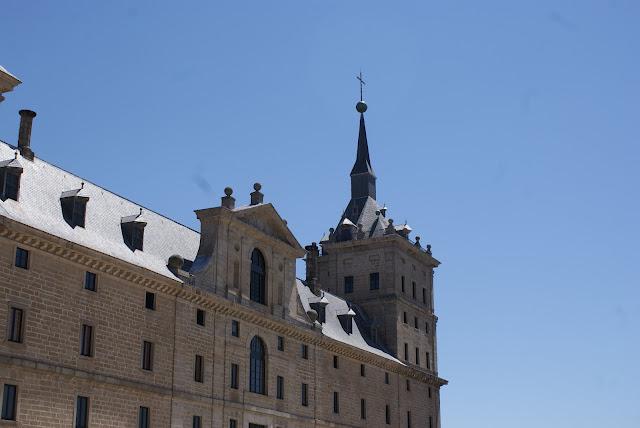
[228, 191]
[390, 222]
[361, 107]
[312, 314]
[257, 187]
[175, 262]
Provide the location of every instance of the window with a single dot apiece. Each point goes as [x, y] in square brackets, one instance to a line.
[235, 328]
[16, 321]
[335, 361]
[406, 352]
[133, 231]
[150, 301]
[374, 281]
[429, 392]
[9, 402]
[409, 419]
[22, 258]
[147, 355]
[362, 370]
[197, 373]
[86, 340]
[74, 209]
[417, 356]
[197, 422]
[363, 408]
[233, 423]
[200, 317]
[304, 349]
[336, 402]
[144, 417]
[413, 289]
[348, 284]
[404, 317]
[258, 290]
[280, 388]
[9, 183]
[90, 281]
[387, 415]
[280, 343]
[257, 366]
[426, 327]
[82, 412]
[424, 296]
[305, 394]
[415, 322]
[428, 361]
[408, 385]
[430, 421]
[386, 378]
[234, 376]
[402, 282]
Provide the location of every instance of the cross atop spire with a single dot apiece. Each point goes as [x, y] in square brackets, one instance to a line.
[363, 180]
[362, 83]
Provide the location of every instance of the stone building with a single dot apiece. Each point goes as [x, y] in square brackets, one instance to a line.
[116, 316]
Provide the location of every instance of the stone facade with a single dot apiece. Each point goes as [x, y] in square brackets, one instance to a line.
[50, 289]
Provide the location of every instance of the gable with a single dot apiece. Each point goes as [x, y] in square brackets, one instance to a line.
[266, 219]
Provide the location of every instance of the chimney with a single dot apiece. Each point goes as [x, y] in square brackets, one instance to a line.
[257, 197]
[228, 201]
[24, 134]
[312, 265]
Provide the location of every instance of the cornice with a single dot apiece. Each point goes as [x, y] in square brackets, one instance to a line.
[117, 268]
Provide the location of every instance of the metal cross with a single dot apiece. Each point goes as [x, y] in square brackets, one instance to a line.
[362, 82]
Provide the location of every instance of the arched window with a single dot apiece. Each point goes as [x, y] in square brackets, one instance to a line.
[258, 290]
[257, 366]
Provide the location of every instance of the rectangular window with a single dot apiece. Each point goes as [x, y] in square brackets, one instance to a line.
[235, 328]
[362, 370]
[415, 322]
[9, 402]
[22, 258]
[424, 296]
[387, 415]
[82, 412]
[197, 422]
[363, 408]
[200, 317]
[404, 317]
[305, 394]
[386, 378]
[335, 361]
[233, 423]
[280, 343]
[406, 352]
[428, 361]
[305, 351]
[413, 289]
[426, 327]
[144, 417]
[197, 375]
[348, 284]
[409, 419]
[417, 356]
[150, 301]
[430, 421]
[90, 281]
[402, 282]
[374, 281]
[429, 392]
[147, 355]
[408, 385]
[16, 321]
[234, 376]
[86, 340]
[280, 388]
[336, 402]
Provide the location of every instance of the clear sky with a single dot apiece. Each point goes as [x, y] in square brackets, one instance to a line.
[505, 132]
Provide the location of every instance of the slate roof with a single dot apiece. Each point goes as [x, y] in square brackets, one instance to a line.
[41, 186]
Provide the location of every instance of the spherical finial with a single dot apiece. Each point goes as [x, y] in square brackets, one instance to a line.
[257, 187]
[361, 107]
[228, 191]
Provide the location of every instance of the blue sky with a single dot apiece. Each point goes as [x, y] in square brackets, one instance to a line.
[505, 132]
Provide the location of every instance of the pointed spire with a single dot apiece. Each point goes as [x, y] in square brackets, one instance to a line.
[363, 162]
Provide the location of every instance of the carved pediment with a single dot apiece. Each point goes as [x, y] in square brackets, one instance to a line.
[266, 219]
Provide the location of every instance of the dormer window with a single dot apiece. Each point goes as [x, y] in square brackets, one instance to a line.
[133, 231]
[74, 206]
[10, 172]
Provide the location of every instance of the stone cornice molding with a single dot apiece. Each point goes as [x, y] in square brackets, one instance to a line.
[99, 262]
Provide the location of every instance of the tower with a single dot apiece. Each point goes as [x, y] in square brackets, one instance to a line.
[372, 262]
